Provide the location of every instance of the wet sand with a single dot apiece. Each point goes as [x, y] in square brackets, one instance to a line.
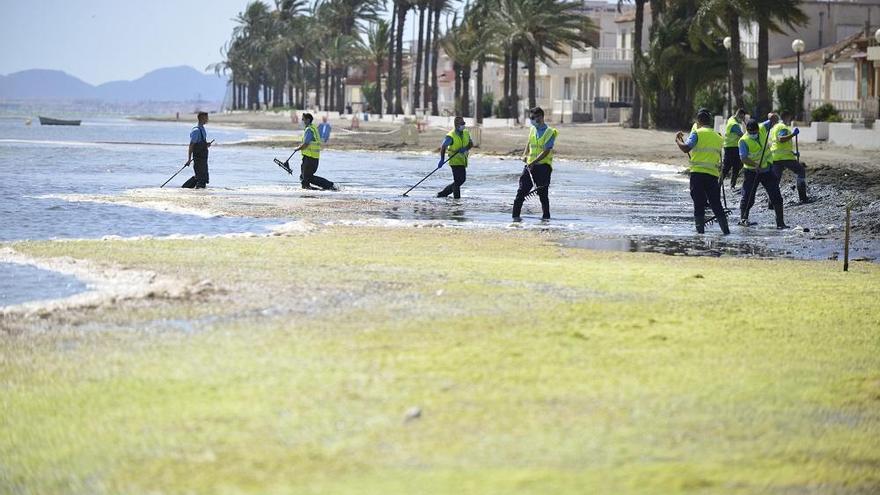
[827, 164]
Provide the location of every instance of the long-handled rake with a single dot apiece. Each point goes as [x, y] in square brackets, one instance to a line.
[727, 211]
[535, 186]
[175, 173]
[431, 173]
[285, 164]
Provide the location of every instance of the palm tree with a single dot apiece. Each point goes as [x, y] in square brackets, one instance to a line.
[427, 60]
[637, 58]
[439, 7]
[770, 16]
[251, 34]
[402, 6]
[542, 29]
[460, 44]
[723, 16]
[668, 78]
[376, 50]
[421, 5]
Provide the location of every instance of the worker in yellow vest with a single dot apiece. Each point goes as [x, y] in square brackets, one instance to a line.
[458, 143]
[311, 154]
[538, 157]
[733, 130]
[784, 156]
[703, 147]
[756, 157]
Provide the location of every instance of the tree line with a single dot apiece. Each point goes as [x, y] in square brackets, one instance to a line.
[279, 54]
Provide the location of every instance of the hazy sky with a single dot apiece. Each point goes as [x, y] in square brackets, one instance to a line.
[107, 40]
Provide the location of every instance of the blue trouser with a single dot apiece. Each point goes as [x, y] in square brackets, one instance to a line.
[750, 189]
[793, 165]
[705, 187]
[459, 176]
[541, 172]
[200, 179]
[798, 168]
[308, 177]
[732, 164]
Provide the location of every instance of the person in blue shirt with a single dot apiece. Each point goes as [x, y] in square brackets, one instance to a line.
[733, 130]
[703, 147]
[197, 153]
[324, 130]
[782, 137]
[755, 154]
[538, 157]
[458, 142]
[311, 155]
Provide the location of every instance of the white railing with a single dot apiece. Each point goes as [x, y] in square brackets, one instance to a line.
[852, 110]
[590, 57]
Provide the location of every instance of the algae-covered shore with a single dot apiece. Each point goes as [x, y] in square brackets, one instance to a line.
[376, 360]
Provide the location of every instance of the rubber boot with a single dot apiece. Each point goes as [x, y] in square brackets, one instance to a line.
[780, 222]
[722, 222]
[701, 224]
[802, 192]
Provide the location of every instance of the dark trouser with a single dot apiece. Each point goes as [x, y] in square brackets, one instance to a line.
[459, 175]
[308, 177]
[799, 170]
[200, 179]
[707, 187]
[541, 172]
[750, 189]
[732, 165]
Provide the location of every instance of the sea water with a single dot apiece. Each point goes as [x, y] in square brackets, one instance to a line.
[48, 174]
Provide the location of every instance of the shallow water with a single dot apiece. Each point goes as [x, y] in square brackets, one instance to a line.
[23, 283]
[51, 178]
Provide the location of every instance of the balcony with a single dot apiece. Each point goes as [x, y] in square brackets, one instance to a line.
[602, 58]
[749, 49]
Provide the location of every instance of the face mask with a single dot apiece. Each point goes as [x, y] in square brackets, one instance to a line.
[459, 128]
[753, 136]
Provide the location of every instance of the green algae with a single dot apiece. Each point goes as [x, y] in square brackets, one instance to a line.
[535, 368]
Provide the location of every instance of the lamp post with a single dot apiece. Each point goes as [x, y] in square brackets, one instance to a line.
[727, 42]
[798, 47]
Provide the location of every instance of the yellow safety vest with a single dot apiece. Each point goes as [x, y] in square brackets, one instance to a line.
[731, 139]
[313, 150]
[780, 151]
[458, 143]
[536, 146]
[756, 147]
[706, 154]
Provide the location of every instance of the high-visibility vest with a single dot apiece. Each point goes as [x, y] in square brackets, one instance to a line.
[756, 148]
[313, 149]
[731, 139]
[781, 151]
[458, 143]
[706, 154]
[536, 146]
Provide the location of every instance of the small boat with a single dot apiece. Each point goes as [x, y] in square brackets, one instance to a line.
[48, 121]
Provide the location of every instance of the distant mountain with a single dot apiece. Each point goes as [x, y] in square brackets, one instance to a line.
[170, 84]
[41, 83]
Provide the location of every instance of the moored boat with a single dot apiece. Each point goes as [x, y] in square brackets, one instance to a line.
[50, 121]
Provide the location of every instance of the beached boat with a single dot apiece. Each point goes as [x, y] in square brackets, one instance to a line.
[49, 121]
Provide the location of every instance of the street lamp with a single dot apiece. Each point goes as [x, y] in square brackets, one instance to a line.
[727, 42]
[798, 47]
[877, 35]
